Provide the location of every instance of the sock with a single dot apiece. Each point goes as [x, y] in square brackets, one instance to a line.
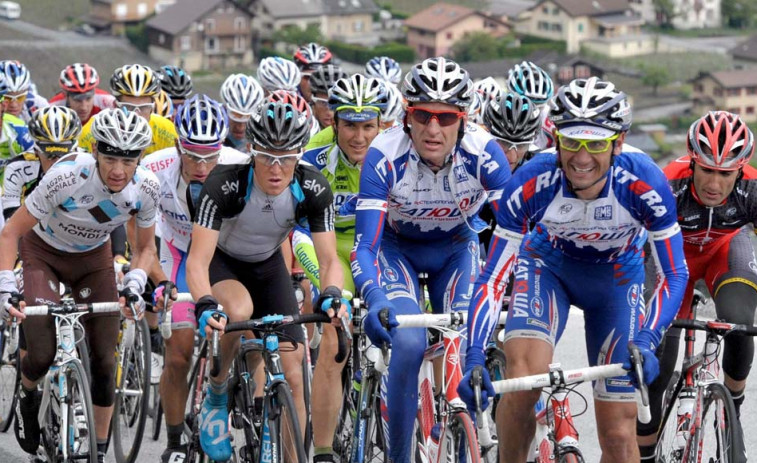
[258, 404]
[647, 453]
[174, 435]
[323, 451]
[216, 393]
[738, 399]
[102, 446]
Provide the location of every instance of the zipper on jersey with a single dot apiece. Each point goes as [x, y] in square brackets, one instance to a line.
[709, 227]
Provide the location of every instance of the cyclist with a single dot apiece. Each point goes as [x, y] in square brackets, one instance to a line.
[245, 213]
[299, 103]
[134, 87]
[384, 68]
[241, 94]
[320, 82]
[202, 127]
[395, 107]
[489, 90]
[421, 188]
[176, 82]
[593, 205]
[530, 80]
[276, 73]
[14, 134]
[77, 204]
[79, 91]
[20, 100]
[357, 102]
[714, 187]
[308, 59]
[55, 131]
[164, 107]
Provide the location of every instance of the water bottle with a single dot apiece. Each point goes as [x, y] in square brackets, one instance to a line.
[433, 442]
[685, 410]
[357, 380]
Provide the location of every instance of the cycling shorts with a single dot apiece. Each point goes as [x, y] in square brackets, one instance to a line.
[174, 264]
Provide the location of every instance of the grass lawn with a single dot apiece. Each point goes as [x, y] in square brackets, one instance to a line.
[411, 7]
[54, 14]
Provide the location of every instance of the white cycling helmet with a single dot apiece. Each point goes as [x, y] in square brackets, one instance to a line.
[121, 133]
[384, 68]
[530, 80]
[438, 80]
[241, 94]
[395, 106]
[276, 73]
[17, 77]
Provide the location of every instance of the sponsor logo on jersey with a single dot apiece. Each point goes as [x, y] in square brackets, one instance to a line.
[160, 164]
[313, 185]
[390, 274]
[85, 293]
[230, 187]
[643, 190]
[445, 184]
[565, 208]
[633, 295]
[322, 157]
[603, 212]
[537, 306]
[430, 212]
[86, 199]
[460, 174]
[60, 182]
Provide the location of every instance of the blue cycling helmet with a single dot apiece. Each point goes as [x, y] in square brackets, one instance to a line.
[530, 80]
[17, 77]
[384, 68]
[202, 121]
[3, 84]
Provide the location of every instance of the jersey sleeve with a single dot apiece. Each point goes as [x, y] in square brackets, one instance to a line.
[495, 172]
[376, 179]
[319, 200]
[59, 183]
[86, 140]
[22, 142]
[221, 190]
[304, 252]
[149, 192]
[13, 185]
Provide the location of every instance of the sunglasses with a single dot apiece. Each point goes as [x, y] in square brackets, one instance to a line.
[591, 146]
[444, 118]
[140, 108]
[520, 147]
[198, 158]
[320, 101]
[17, 98]
[269, 160]
[239, 117]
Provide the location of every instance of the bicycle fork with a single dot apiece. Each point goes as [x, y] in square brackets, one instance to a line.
[562, 434]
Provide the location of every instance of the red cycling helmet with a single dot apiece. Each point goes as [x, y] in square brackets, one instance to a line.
[293, 99]
[79, 78]
[720, 140]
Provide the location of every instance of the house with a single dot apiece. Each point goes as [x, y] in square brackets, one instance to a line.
[201, 34]
[607, 27]
[745, 54]
[434, 30]
[350, 21]
[272, 15]
[509, 10]
[734, 91]
[688, 14]
[115, 15]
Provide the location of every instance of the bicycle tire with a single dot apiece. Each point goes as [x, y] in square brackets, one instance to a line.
[345, 419]
[156, 413]
[242, 415]
[79, 398]
[284, 424]
[10, 377]
[131, 408]
[719, 421]
[668, 450]
[571, 455]
[307, 387]
[368, 443]
[192, 425]
[459, 435]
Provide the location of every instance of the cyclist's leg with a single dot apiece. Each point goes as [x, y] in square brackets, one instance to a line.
[537, 316]
[609, 315]
[450, 287]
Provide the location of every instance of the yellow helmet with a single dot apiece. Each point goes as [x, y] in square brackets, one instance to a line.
[135, 80]
[55, 130]
[163, 105]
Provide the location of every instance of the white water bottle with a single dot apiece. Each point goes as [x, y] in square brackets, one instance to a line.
[685, 410]
[433, 442]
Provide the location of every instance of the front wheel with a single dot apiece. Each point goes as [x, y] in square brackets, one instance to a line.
[571, 455]
[459, 442]
[10, 373]
[284, 425]
[79, 437]
[719, 439]
[671, 442]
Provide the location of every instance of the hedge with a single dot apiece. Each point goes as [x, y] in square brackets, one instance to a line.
[361, 54]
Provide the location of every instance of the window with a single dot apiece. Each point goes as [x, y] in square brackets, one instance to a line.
[357, 26]
[698, 88]
[210, 24]
[556, 27]
[751, 90]
[211, 44]
[582, 71]
[580, 27]
[239, 23]
[239, 43]
[161, 39]
[736, 111]
[566, 74]
[121, 10]
[749, 110]
[543, 26]
[141, 9]
[186, 43]
[718, 91]
[545, 10]
[734, 92]
[555, 11]
[449, 35]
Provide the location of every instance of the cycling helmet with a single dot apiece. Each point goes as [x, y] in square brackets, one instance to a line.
[241, 93]
[311, 56]
[324, 77]
[79, 78]
[135, 80]
[438, 80]
[175, 81]
[17, 77]
[294, 99]
[720, 140]
[3, 84]
[530, 80]
[476, 108]
[276, 73]
[489, 90]
[395, 106]
[202, 121]
[513, 117]
[279, 126]
[350, 96]
[121, 133]
[163, 105]
[55, 130]
[384, 68]
[591, 102]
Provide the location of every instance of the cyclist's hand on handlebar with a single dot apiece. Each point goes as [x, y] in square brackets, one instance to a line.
[466, 388]
[8, 287]
[210, 316]
[332, 302]
[380, 331]
[650, 363]
[12, 305]
[132, 304]
[161, 297]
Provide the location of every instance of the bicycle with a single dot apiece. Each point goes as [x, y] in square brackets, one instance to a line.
[66, 414]
[560, 441]
[275, 434]
[10, 371]
[697, 404]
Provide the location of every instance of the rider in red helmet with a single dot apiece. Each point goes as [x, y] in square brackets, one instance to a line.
[79, 92]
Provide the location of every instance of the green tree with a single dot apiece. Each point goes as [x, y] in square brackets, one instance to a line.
[665, 11]
[739, 13]
[655, 77]
[477, 46]
[298, 36]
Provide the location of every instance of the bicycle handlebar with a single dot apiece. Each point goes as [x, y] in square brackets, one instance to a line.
[715, 326]
[428, 320]
[165, 324]
[69, 307]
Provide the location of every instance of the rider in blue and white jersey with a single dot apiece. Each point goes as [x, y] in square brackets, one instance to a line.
[202, 127]
[421, 188]
[591, 204]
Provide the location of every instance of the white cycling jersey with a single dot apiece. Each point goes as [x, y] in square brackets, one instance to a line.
[76, 210]
[174, 221]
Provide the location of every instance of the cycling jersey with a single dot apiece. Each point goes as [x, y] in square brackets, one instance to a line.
[321, 139]
[14, 139]
[103, 100]
[252, 224]
[163, 135]
[544, 138]
[21, 176]
[33, 102]
[76, 210]
[572, 237]
[174, 220]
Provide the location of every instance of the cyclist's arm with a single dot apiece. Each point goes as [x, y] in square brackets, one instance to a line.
[145, 250]
[305, 253]
[204, 241]
[21, 222]
[329, 266]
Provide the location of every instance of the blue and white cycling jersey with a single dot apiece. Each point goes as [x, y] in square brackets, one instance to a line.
[398, 190]
[610, 229]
